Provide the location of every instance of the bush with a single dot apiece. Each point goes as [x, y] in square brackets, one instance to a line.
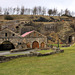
[8, 17]
[67, 15]
[41, 19]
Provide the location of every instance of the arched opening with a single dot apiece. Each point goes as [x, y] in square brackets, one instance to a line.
[35, 44]
[42, 45]
[6, 45]
[70, 39]
[28, 45]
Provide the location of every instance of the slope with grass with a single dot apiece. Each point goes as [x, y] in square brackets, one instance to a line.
[58, 64]
[28, 17]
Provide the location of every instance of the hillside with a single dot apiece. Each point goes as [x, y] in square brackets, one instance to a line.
[29, 17]
[64, 26]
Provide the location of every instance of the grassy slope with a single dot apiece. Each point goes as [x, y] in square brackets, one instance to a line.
[58, 64]
[60, 45]
[45, 51]
[28, 17]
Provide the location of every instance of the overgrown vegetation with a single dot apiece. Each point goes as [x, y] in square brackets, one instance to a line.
[8, 17]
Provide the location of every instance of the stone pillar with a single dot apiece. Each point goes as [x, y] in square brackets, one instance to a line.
[73, 39]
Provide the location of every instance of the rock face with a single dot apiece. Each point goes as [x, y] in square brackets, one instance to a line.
[60, 25]
[67, 33]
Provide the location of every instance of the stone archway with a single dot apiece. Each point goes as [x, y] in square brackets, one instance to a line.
[42, 45]
[35, 44]
[7, 45]
[28, 45]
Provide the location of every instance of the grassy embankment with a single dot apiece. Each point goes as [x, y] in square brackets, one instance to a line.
[58, 64]
[29, 17]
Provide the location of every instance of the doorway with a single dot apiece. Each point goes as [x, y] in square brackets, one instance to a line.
[35, 44]
[42, 45]
[70, 39]
[6, 45]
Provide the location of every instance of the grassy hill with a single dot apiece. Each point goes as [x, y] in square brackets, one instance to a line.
[29, 17]
[58, 64]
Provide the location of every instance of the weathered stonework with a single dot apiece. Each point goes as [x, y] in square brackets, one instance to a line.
[20, 42]
[36, 37]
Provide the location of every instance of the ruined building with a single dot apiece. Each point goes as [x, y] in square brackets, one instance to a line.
[11, 40]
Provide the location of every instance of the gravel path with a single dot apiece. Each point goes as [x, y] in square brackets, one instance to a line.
[8, 52]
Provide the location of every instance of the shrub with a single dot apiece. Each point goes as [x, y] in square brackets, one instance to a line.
[41, 19]
[67, 15]
[8, 17]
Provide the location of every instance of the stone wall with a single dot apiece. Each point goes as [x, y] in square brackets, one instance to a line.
[20, 42]
[17, 41]
[39, 40]
[7, 58]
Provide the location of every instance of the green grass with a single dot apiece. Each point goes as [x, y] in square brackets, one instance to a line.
[45, 51]
[2, 51]
[13, 54]
[58, 64]
[60, 45]
[73, 45]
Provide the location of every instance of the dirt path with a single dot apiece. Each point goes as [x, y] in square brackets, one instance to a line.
[8, 52]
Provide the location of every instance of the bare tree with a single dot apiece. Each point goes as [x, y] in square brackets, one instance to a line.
[10, 10]
[14, 9]
[43, 11]
[27, 11]
[67, 12]
[61, 12]
[6, 11]
[17, 10]
[34, 11]
[39, 10]
[54, 11]
[72, 13]
[0, 10]
[22, 10]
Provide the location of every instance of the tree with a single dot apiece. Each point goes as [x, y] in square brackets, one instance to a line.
[6, 12]
[10, 10]
[43, 11]
[0, 10]
[61, 12]
[67, 12]
[14, 9]
[27, 11]
[50, 12]
[22, 10]
[34, 10]
[54, 12]
[17, 9]
[72, 13]
[39, 10]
